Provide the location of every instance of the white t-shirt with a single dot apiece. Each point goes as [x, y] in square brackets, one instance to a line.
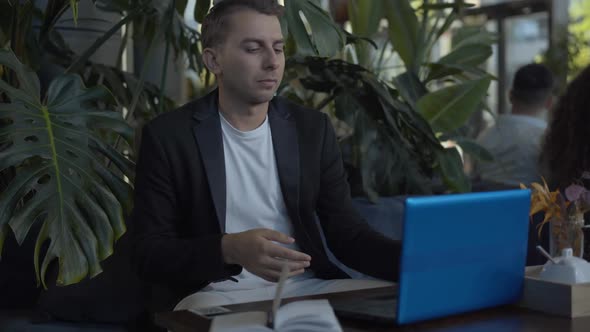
[515, 142]
[253, 193]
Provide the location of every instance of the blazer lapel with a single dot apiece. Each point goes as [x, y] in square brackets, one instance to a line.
[286, 148]
[207, 132]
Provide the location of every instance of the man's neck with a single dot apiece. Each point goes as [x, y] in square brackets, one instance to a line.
[244, 117]
[519, 110]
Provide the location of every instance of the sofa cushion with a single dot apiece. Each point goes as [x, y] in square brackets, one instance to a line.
[23, 321]
[18, 286]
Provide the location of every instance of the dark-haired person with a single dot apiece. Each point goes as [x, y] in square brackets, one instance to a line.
[565, 154]
[515, 139]
[228, 186]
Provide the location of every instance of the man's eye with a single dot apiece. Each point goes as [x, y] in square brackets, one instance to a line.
[279, 50]
[252, 50]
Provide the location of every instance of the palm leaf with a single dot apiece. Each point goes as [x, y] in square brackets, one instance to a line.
[61, 180]
[201, 9]
[403, 31]
[463, 59]
[450, 107]
[474, 149]
[364, 20]
[324, 39]
[450, 167]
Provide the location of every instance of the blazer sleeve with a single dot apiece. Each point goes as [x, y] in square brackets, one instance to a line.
[348, 236]
[161, 253]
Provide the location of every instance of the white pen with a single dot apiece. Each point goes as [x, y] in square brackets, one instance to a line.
[276, 303]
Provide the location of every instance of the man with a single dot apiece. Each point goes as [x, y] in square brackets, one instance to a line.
[515, 139]
[228, 186]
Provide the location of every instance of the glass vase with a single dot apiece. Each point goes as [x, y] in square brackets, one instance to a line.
[567, 233]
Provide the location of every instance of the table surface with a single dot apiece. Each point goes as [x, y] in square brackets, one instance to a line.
[506, 318]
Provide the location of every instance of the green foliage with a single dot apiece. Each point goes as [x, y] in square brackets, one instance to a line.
[403, 31]
[388, 135]
[201, 9]
[61, 180]
[324, 38]
[570, 54]
[395, 120]
[449, 108]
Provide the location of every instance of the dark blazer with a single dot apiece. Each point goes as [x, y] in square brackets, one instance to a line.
[180, 197]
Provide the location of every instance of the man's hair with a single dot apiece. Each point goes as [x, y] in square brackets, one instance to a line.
[532, 85]
[215, 24]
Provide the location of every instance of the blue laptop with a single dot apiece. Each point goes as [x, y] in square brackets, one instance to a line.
[460, 253]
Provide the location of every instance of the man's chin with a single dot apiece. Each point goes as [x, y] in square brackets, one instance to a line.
[262, 98]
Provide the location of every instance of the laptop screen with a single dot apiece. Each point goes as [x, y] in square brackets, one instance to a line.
[462, 252]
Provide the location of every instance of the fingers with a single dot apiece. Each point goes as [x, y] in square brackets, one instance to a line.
[288, 254]
[277, 264]
[277, 236]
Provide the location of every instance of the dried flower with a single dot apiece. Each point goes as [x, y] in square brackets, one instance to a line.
[564, 211]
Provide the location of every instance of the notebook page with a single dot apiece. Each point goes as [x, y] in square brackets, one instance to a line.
[307, 315]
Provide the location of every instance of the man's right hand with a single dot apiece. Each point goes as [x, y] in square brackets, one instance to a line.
[256, 252]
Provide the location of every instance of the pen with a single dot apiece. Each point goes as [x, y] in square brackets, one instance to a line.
[276, 303]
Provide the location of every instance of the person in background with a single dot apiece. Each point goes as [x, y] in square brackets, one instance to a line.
[565, 155]
[515, 139]
[228, 187]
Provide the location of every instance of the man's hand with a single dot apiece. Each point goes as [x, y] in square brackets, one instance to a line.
[255, 251]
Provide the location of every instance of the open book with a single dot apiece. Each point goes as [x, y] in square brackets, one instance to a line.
[307, 315]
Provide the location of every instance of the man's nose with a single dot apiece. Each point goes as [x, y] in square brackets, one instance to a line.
[271, 61]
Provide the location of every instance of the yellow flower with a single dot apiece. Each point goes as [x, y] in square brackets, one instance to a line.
[550, 202]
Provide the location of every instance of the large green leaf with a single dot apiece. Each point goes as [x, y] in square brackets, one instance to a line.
[448, 108]
[364, 16]
[469, 35]
[201, 9]
[473, 148]
[403, 31]
[74, 5]
[451, 169]
[61, 179]
[468, 57]
[324, 39]
[180, 6]
[471, 54]
[410, 87]
[364, 19]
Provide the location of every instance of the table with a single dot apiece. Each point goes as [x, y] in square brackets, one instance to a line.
[507, 318]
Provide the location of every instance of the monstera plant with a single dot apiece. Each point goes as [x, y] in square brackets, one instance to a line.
[57, 143]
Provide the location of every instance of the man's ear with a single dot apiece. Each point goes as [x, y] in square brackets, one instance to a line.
[210, 60]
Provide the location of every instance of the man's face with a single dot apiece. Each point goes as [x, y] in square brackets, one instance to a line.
[251, 59]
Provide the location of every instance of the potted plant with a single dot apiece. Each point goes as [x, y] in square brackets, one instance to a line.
[565, 214]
